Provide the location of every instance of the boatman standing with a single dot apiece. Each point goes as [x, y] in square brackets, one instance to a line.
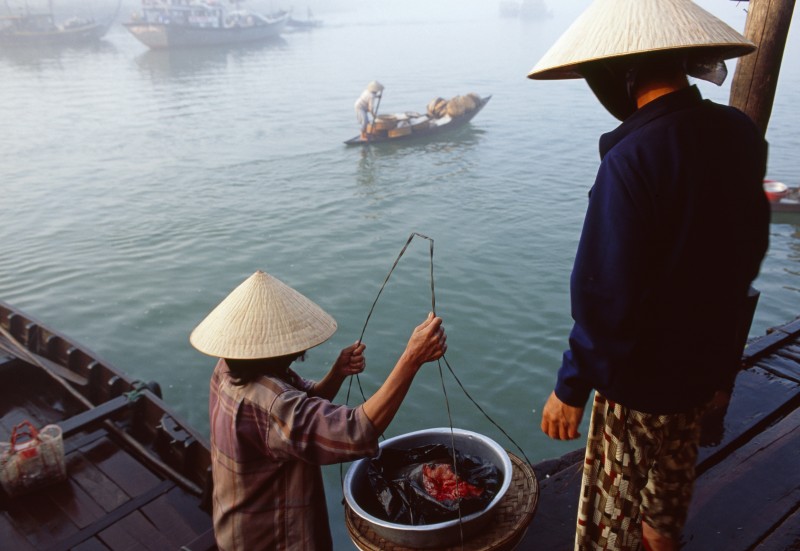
[367, 104]
[271, 429]
[675, 231]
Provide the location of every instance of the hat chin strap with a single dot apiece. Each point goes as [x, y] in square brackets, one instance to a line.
[709, 69]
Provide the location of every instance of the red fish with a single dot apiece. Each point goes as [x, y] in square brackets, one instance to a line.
[442, 484]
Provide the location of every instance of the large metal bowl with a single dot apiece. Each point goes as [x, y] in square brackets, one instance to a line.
[360, 497]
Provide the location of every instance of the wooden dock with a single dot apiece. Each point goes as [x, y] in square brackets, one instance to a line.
[136, 475]
[747, 495]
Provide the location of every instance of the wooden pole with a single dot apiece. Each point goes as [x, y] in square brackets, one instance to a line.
[756, 77]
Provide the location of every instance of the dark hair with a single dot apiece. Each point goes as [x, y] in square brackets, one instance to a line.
[243, 372]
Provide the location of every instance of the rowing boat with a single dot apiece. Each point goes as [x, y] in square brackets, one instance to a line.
[138, 477]
[419, 126]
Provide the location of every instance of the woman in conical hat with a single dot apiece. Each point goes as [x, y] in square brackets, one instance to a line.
[613, 36]
[675, 231]
[271, 429]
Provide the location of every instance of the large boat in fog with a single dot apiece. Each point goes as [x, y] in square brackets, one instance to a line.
[525, 9]
[181, 23]
[37, 26]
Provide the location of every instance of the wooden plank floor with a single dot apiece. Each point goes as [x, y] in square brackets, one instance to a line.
[110, 501]
[747, 495]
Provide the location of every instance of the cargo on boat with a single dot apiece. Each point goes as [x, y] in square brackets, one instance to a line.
[441, 116]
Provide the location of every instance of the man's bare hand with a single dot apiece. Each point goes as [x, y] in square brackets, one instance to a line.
[559, 420]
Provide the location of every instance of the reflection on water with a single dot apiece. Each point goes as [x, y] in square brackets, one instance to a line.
[40, 56]
[178, 62]
[790, 218]
[793, 255]
[450, 148]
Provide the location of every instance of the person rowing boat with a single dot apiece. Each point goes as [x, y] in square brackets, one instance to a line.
[367, 104]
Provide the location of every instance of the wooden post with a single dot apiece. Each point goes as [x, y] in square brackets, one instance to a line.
[756, 77]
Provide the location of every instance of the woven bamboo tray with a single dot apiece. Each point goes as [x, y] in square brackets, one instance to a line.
[505, 530]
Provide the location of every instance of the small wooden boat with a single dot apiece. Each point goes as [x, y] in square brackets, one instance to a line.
[788, 201]
[417, 126]
[137, 476]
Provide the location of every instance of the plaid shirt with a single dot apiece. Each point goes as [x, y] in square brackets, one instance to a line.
[268, 440]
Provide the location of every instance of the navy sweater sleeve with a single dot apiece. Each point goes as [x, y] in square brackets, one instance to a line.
[607, 281]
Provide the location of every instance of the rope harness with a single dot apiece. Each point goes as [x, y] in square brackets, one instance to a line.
[439, 364]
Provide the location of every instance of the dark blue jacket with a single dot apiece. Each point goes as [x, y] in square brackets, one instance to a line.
[675, 232]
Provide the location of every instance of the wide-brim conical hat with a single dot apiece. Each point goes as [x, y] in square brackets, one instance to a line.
[262, 318]
[614, 28]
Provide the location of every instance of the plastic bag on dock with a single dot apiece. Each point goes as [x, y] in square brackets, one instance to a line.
[419, 486]
[32, 459]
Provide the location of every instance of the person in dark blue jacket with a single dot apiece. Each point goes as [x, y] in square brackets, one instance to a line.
[675, 232]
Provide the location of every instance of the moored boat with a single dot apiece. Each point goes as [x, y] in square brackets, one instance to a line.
[177, 24]
[303, 24]
[524, 9]
[437, 120]
[32, 27]
[138, 477]
[782, 198]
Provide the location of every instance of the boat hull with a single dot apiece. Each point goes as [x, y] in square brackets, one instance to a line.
[432, 130]
[78, 35]
[163, 36]
[129, 457]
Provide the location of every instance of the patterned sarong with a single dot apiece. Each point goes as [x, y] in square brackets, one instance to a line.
[638, 467]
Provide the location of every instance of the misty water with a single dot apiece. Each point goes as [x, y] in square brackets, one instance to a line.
[140, 187]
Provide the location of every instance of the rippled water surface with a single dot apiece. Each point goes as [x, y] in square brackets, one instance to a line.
[140, 187]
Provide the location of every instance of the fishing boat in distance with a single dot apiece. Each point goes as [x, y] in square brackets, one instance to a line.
[525, 9]
[440, 117]
[165, 24]
[31, 27]
[303, 24]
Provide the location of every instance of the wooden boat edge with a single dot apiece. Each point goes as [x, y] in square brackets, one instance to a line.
[356, 140]
[185, 452]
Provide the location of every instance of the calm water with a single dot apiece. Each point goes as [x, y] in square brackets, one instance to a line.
[139, 188]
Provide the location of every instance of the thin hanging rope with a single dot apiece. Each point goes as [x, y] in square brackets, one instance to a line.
[441, 377]
[369, 315]
[484, 413]
[453, 449]
[433, 305]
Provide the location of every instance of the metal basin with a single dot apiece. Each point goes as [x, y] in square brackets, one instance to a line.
[360, 497]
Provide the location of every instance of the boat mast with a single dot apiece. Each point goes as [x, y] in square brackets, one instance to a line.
[756, 76]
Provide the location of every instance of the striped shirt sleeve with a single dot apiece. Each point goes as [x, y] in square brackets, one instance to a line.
[314, 430]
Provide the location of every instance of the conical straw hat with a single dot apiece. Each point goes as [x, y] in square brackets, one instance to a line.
[262, 318]
[614, 28]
